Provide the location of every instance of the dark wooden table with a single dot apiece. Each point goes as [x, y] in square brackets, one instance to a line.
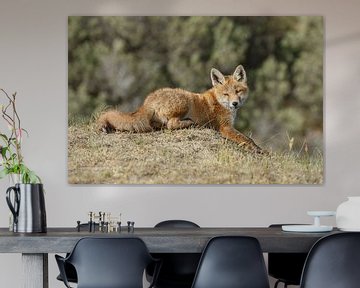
[35, 247]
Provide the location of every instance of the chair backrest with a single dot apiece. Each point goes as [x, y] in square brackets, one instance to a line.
[178, 269]
[287, 267]
[110, 262]
[176, 224]
[333, 262]
[232, 262]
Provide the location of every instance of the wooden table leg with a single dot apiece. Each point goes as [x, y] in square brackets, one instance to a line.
[35, 270]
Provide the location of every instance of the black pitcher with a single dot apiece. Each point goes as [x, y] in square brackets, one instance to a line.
[28, 208]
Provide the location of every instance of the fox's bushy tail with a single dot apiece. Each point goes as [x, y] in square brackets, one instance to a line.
[113, 120]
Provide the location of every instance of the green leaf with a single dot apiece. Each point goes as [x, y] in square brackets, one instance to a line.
[13, 156]
[33, 178]
[27, 133]
[5, 138]
[3, 173]
[3, 151]
[16, 169]
[28, 176]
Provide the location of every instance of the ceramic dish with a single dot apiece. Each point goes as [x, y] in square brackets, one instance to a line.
[306, 228]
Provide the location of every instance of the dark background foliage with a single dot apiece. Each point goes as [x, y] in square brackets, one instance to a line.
[117, 61]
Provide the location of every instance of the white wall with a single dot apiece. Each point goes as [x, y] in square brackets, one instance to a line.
[33, 62]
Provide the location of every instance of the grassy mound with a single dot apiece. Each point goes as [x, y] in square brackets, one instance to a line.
[189, 156]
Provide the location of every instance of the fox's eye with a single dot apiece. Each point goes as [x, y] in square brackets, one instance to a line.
[238, 91]
[226, 94]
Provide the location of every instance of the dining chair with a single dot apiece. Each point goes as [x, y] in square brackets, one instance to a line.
[232, 262]
[333, 262]
[178, 269]
[70, 271]
[285, 267]
[108, 263]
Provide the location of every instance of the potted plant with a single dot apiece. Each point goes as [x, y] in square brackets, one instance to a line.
[26, 197]
[11, 159]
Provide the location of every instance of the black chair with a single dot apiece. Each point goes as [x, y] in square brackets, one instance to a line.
[176, 224]
[286, 267]
[108, 263]
[178, 269]
[333, 262]
[70, 273]
[69, 269]
[232, 262]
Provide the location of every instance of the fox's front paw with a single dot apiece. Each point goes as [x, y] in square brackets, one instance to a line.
[263, 152]
[259, 151]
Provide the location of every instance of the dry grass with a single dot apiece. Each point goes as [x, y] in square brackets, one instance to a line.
[190, 156]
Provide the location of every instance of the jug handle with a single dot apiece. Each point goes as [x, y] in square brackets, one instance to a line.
[13, 208]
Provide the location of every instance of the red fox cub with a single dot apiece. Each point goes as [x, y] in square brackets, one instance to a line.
[177, 109]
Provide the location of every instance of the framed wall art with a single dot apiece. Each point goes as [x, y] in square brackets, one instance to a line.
[195, 100]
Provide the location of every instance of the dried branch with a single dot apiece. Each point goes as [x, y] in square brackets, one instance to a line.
[14, 125]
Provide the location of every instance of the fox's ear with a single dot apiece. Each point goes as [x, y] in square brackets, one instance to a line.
[239, 74]
[217, 77]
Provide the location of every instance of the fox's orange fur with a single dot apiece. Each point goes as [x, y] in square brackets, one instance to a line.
[176, 109]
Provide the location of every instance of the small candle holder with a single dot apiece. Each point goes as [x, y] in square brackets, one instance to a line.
[318, 214]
